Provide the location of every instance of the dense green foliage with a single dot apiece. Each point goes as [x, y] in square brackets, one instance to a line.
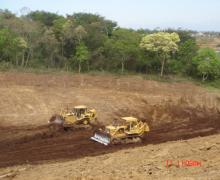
[162, 44]
[81, 55]
[207, 64]
[87, 42]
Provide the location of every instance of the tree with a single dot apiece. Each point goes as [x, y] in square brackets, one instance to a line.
[50, 48]
[187, 51]
[80, 33]
[19, 46]
[40, 39]
[46, 18]
[86, 19]
[6, 14]
[30, 31]
[123, 46]
[6, 40]
[161, 43]
[97, 28]
[207, 64]
[58, 29]
[81, 55]
[184, 35]
[181, 62]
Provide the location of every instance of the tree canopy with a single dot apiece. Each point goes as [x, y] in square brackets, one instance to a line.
[162, 43]
[81, 55]
[86, 42]
[207, 64]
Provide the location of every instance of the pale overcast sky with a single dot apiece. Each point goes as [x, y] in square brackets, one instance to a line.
[203, 15]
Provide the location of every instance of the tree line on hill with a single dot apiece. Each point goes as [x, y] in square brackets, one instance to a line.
[85, 42]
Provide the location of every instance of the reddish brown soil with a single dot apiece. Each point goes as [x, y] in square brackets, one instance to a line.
[174, 111]
[45, 145]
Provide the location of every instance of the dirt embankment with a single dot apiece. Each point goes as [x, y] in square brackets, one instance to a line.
[31, 99]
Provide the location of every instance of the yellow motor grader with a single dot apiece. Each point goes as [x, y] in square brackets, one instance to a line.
[79, 116]
[131, 130]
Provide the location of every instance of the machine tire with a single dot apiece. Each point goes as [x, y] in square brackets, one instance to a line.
[85, 122]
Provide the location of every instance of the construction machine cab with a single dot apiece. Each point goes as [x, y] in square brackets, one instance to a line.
[130, 121]
[79, 110]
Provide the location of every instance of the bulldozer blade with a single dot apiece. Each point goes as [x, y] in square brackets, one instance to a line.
[101, 139]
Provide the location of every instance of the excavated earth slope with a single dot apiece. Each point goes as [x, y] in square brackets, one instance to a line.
[176, 113]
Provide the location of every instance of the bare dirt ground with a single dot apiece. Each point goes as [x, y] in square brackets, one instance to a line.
[209, 42]
[184, 121]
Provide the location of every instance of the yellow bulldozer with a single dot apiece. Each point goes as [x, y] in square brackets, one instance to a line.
[131, 130]
[79, 116]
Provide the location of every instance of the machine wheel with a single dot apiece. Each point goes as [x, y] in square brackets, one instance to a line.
[137, 140]
[66, 128]
[116, 141]
[127, 140]
[85, 122]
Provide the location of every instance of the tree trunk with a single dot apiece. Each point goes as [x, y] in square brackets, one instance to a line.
[122, 67]
[106, 30]
[204, 77]
[79, 67]
[27, 60]
[22, 62]
[162, 67]
[51, 60]
[66, 67]
[88, 67]
[16, 59]
[62, 48]
[146, 70]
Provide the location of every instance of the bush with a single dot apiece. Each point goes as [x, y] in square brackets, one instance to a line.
[207, 64]
[4, 66]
